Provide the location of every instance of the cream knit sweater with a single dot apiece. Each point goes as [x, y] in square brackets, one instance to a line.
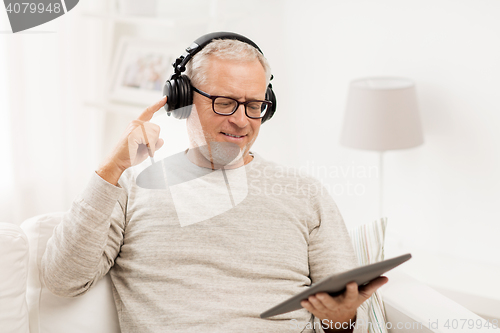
[274, 233]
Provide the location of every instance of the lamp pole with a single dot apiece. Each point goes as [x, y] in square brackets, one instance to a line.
[381, 183]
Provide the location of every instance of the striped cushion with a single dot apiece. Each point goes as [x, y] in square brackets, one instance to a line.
[368, 242]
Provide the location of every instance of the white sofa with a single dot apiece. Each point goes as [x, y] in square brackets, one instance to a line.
[26, 306]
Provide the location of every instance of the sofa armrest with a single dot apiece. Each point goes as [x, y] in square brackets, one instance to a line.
[412, 306]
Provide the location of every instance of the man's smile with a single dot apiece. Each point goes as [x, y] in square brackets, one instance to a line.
[235, 136]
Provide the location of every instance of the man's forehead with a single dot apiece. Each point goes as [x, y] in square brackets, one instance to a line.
[236, 78]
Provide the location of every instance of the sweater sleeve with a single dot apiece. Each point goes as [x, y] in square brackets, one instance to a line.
[86, 242]
[330, 247]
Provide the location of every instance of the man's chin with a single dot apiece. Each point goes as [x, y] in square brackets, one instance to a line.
[221, 154]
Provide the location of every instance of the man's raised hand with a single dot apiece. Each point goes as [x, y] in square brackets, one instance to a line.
[140, 140]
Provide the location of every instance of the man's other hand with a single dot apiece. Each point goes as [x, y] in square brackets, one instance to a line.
[341, 309]
[140, 140]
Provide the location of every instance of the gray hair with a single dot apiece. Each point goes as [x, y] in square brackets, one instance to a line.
[227, 49]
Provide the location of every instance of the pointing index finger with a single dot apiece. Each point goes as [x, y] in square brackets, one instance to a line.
[147, 114]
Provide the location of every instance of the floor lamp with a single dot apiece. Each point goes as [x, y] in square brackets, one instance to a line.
[381, 114]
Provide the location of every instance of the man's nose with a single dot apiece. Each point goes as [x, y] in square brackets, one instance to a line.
[239, 117]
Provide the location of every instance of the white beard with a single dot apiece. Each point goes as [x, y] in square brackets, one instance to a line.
[218, 154]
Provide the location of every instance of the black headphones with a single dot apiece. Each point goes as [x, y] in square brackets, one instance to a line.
[178, 87]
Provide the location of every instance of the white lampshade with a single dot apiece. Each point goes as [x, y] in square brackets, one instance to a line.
[382, 114]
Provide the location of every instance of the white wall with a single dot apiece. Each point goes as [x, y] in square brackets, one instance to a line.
[441, 198]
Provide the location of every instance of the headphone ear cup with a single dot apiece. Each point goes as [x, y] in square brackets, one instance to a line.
[169, 91]
[185, 97]
[270, 96]
[179, 97]
[188, 94]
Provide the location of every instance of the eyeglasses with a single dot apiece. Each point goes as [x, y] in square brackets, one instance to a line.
[226, 106]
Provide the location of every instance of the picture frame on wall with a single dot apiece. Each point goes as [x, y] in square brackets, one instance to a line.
[140, 69]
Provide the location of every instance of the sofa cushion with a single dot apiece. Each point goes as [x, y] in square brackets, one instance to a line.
[368, 242]
[13, 277]
[93, 311]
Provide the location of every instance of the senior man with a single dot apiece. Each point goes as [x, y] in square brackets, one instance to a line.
[218, 273]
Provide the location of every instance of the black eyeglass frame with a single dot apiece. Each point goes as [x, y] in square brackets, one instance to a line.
[238, 103]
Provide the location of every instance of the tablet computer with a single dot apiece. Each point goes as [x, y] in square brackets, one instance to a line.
[335, 284]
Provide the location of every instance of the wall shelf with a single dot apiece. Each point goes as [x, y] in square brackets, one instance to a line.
[124, 109]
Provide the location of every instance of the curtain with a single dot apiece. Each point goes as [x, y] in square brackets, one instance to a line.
[6, 172]
[49, 139]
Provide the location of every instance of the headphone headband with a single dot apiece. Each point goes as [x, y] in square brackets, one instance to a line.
[201, 42]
